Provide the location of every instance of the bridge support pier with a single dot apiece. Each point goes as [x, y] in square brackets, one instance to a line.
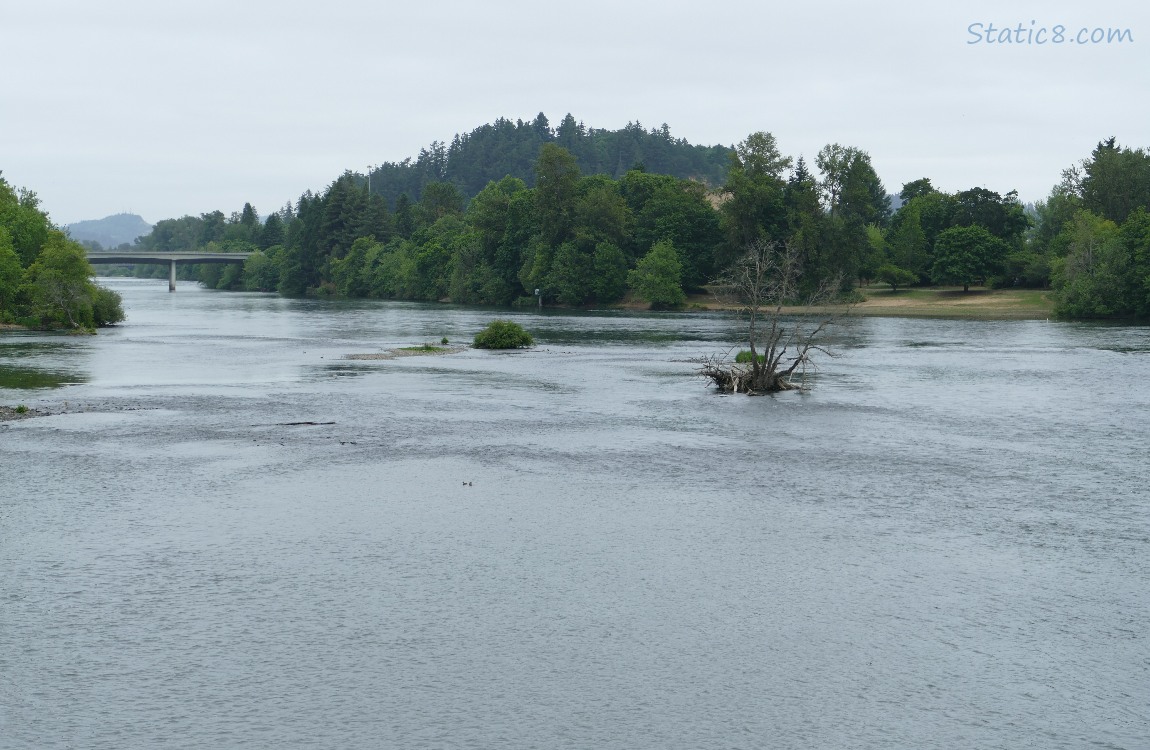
[171, 275]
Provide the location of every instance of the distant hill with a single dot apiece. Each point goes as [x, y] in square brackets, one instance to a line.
[493, 151]
[111, 231]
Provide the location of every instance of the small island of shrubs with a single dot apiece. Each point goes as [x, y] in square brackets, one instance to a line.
[503, 334]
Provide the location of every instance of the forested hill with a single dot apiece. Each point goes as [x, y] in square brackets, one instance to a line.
[494, 151]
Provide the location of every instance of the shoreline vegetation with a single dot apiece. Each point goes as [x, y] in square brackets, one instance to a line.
[45, 276]
[660, 225]
[565, 237]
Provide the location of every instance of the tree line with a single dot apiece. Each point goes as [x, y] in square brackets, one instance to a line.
[45, 278]
[575, 239]
[578, 238]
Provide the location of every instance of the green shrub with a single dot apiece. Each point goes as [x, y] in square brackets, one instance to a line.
[744, 357]
[107, 307]
[503, 334]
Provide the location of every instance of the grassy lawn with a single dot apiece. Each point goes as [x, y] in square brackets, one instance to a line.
[952, 302]
[940, 302]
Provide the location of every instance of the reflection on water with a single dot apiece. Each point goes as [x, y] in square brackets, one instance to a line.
[236, 538]
[26, 378]
[20, 344]
[39, 361]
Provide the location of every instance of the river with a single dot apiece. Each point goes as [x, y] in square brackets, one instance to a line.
[944, 543]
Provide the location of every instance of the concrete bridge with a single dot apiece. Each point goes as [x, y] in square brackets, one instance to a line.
[170, 258]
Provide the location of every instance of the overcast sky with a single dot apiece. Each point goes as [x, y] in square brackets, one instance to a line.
[172, 108]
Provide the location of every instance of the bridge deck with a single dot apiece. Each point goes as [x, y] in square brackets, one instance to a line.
[178, 258]
[172, 259]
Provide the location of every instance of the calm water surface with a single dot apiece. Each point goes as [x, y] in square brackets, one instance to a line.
[945, 544]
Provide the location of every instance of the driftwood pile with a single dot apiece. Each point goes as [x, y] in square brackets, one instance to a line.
[731, 377]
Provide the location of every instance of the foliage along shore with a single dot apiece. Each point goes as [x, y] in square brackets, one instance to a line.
[515, 213]
[575, 239]
[45, 277]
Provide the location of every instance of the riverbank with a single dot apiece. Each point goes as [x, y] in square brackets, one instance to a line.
[942, 302]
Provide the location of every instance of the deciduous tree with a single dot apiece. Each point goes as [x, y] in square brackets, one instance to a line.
[657, 278]
[966, 255]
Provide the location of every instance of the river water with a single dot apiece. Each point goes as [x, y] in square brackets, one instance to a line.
[945, 543]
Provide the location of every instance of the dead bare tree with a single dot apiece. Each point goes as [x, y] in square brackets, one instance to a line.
[783, 331]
